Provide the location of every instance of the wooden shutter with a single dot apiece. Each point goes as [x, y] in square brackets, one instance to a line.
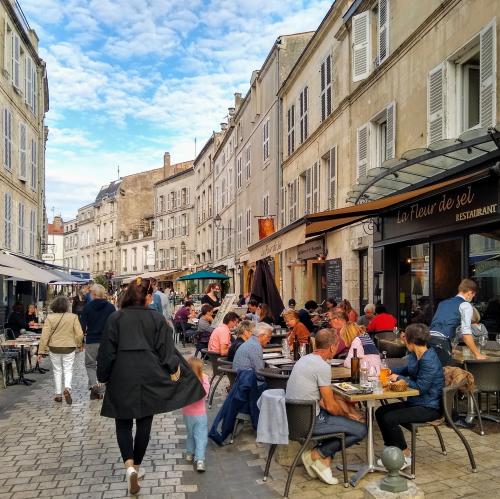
[16, 60]
[332, 179]
[308, 191]
[390, 138]
[34, 165]
[7, 133]
[22, 151]
[362, 149]
[315, 187]
[436, 104]
[34, 79]
[28, 80]
[487, 75]
[383, 30]
[329, 85]
[361, 46]
[6, 53]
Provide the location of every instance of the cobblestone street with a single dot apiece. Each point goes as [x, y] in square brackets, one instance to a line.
[51, 450]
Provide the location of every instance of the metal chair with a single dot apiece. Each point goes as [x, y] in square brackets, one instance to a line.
[487, 380]
[301, 415]
[383, 335]
[274, 378]
[6, 367]
[216, 375]
[449, 395]
[394, 348]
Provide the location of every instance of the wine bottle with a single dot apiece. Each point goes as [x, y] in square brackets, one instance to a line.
[296, 353]
[355, 367]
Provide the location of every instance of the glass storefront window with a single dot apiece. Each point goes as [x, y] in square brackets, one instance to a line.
[484, 267]
[414, 297]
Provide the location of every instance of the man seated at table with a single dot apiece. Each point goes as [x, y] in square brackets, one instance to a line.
[250, 354]
[182, 318]
[382, 321]
[369, 310]
[220, 339]
[424, 373]
[243, 332]
[305, 314]
[311, 379]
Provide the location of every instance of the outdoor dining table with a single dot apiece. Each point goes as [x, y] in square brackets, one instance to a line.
[338, 372]
[22, 344]
[370, 398]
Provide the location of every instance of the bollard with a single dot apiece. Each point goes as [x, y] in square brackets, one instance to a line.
[393, 459]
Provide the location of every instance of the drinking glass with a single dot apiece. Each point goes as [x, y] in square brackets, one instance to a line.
[498, 338]
[363, 374]
[285, 349]
[302, 349]
[483, 339]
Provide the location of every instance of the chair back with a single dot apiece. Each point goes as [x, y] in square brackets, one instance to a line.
[394, 348]
[301, 415]
[10, 333]
[274, 379]
[486, 374]
[213, 357]
[230, 373]
[449, 393]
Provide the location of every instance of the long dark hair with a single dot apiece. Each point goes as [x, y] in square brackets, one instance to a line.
[137, 292]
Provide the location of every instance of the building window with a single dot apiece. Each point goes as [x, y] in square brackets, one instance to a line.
[265, 204]
[223, 188]
[239, 231]
[229, 236]
[265, 140]
[184, 225]
[291, 129]
[185, 196]
[249, 226]
[7, 138]
[124, 260]
[183, 256]
[248, 165]
[312, 189]
[331, 168]
[8, 220]
[303, 108]
[209, 201]
[161, 204]
[326, 88]
[282, 206]
[293, 192]
[22, 152]
[20, 228]
[16, 61]
[238, 174]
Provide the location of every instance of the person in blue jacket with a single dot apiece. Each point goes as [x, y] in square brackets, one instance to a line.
[424, 373]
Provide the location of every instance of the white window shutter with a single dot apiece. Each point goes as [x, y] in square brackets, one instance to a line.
[487, 75]
[361, 46]
[332, 175]
[34, 80]
[362, 149]
[34, 164]
[6, 42]
[436, 101]
[22, 151]
[16, 60]
[390, 138]
[28, 81]
[383, 30]
[315, 187]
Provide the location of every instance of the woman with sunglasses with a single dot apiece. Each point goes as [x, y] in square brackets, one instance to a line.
[143, 372]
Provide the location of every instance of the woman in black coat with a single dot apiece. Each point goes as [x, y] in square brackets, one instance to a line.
[143, 372]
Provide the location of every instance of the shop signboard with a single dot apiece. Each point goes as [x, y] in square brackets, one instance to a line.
[226, 306]
[469, 203]
[334, 279]
[311, 249]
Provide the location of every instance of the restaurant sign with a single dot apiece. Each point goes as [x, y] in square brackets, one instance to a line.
[311, 249]
[471, 202]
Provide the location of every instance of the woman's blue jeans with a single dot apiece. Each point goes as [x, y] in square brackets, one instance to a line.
[327, 423]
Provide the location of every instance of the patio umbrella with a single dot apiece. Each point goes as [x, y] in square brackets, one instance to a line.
[204, 274]
[264, 290]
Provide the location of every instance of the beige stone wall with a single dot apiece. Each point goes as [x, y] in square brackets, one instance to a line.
[23, 187]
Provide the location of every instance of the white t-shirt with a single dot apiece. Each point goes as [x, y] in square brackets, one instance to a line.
[308, 374]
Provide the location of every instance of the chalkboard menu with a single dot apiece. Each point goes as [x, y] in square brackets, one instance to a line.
[334, 279]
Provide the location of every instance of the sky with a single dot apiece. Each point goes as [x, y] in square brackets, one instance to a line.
[131, 79]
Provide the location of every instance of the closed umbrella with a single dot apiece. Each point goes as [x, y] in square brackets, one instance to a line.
[264, 290]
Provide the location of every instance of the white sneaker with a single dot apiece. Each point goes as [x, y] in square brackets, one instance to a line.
[307, 461]
[200, 466]
[132, 481]
[406, 464]
[324, 472]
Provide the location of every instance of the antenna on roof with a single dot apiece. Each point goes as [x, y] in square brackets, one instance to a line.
[118, 172]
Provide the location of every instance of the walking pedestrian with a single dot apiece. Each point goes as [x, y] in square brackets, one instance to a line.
[196, 421]
[61, 336]
[144, 374]
[94, 317]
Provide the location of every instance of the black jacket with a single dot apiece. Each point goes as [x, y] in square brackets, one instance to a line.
[17, 322]
[136, 357]
[94, 317]
[305, 318]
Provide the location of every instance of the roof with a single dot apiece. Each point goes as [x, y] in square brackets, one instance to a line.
[176, 175]
[55, 230]
[108, 191]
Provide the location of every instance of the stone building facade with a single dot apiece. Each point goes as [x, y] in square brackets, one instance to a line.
[70, 254]
[23, 103]
[54, 252]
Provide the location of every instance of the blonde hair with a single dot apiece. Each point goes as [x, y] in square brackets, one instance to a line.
[476, 316]
[291, 314]
[196, 366]
[350, 331]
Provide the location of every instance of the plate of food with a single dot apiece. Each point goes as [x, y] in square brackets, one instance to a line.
[337, 362]
[352, 389]
[272, 355]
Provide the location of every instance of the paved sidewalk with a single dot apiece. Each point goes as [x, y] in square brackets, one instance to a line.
[54, 450]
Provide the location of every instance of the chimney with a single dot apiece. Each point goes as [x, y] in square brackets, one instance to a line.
[231, 111]
[58, 222]
[166, 165]
[237, 100]
[223, 126]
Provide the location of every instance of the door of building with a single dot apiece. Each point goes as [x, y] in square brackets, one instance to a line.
[363, 281]
[447, 271]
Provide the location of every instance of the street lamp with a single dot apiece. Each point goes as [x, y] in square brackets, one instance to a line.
[217, 221]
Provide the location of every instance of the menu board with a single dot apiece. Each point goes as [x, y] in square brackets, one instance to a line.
[226, 306]
[334, 279]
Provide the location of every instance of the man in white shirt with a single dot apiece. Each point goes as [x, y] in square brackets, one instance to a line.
[311, 380]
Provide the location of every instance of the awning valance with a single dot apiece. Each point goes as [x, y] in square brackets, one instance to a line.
[18, 268]
[335, 219]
